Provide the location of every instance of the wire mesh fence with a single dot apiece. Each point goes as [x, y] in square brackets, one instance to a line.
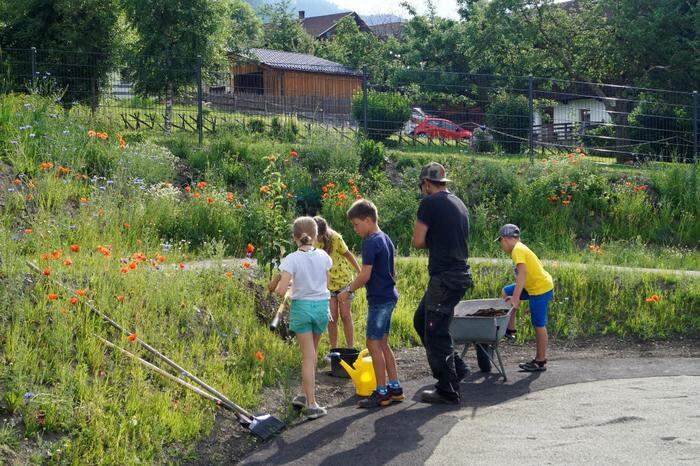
[294, 94]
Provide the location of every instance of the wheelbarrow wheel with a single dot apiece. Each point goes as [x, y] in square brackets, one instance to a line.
[483, 353]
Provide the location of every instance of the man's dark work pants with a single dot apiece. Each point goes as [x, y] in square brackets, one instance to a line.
[432, 322]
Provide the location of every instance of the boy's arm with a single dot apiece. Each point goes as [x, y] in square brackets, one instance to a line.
[283, 283]
[359, 281]
[351, 258]
[420, 230]
[519, 285]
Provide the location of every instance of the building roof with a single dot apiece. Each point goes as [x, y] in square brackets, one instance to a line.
[317, 26]
[298, 62]
[386, 30]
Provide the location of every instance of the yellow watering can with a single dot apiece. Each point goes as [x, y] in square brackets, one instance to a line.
[362, 373]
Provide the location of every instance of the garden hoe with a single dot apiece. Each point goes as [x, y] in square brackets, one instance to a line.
[264, 426]
[276, 320]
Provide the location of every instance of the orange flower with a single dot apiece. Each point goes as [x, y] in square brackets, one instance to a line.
[46, 271]
[229, 274]
[229, 196]
[246, 264]
[197, 195]
[339, 203]
[210, 200]
[57, 254]
[181, 265]
[30, 197]
[325, 196]
[132, 266]
[201, 185]
[566, 202]
[331, 184]
[91, 133]
[80, 292]
[45, 256]
[124, 270]
[290, 195]
[341, 196]
[573, 184]
[63, 170]
[653, 299]
[74, 300]
[28, 231]
[102, 136]
[250, 249]
[239, 206]
[264, 189]
[552, 198]
[324, 189]
[68, 262]
[74, 247]
[188, 188]
[46, 165]
[127, 225]
[259, 356]
[120, 298]
[83, 200]
[52, 296]
[160, 258]
[17, 182]
[132, 337]
[104, 251]
[100, 212]
[293, 154]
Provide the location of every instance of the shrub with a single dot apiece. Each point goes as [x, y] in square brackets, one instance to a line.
[371, 154]
[147, 161]
[666, 127]
[256, 126]
[509, 114]
[386, 112]
[482, 141]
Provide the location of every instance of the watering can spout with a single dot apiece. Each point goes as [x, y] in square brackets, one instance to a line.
[349, 369]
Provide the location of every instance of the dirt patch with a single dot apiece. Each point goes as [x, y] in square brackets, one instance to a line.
[229, 443]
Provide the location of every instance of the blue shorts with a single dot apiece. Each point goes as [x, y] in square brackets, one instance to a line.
[379, 319]
[308, 316]
[539, 304]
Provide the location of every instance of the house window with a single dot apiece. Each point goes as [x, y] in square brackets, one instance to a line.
[250, 83]
[584, 116]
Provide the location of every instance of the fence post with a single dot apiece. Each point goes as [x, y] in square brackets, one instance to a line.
[200, 117]
[364, 99]
[33, 53]
[531, 104]
[695, 127]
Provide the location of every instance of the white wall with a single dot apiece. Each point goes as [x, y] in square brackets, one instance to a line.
[569, 112]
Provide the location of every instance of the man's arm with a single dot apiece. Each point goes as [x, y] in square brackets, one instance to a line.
[420, 230]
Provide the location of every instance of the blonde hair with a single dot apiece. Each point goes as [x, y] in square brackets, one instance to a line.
[325, 234]
[304, 230]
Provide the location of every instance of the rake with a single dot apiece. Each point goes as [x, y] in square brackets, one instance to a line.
[264, 426]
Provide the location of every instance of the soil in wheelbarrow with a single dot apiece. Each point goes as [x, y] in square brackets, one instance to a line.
[490, 312]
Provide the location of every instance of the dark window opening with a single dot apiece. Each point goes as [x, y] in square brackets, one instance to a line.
[249, 83]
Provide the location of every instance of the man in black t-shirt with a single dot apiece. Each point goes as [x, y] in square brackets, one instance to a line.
[442, 226]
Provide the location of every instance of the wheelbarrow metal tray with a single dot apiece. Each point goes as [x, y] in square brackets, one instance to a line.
[468, 328]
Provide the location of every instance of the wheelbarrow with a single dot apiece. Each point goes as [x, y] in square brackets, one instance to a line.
[483, 323]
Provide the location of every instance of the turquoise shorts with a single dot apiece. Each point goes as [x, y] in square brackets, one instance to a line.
[308, 316]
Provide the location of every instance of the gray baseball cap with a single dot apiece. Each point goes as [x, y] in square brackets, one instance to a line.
[508, 231]
[433, 172]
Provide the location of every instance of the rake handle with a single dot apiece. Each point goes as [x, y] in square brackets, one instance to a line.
[276, 320]
[230, 404]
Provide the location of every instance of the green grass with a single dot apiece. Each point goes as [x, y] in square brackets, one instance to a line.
[59, 382]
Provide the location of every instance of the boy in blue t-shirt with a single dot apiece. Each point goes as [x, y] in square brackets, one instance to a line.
[377, 276]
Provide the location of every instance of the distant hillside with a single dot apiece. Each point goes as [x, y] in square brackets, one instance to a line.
[310, 7]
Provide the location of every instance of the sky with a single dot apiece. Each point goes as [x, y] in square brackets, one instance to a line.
[445, 8]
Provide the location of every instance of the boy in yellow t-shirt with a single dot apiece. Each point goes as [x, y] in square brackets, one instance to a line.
[532, 283]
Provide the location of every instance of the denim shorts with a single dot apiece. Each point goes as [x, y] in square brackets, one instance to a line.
[379, 319]
[539, 304]
[308, 316]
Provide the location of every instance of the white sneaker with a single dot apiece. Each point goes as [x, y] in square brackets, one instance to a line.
[315, 412]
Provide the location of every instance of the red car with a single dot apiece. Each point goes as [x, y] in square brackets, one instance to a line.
[440, 128]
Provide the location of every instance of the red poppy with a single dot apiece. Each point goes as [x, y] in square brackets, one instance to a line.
[68, 262]
[132, 266]
[28, 231]
[52, 296]
[57, 254]
[210, 200]
[45, 256]
[17, 182]
[80, 292]
[124, 270]
[46, 271]
[188, 189]
[239, 206]
[259, 356]
[74, 247]
[653, 299]
[246, 264]
[132, 337]
[120, 298]
[229, 196]
[229, 274]
[197, 195]
[30, 197]
[201, 185]
[293, 154]
[181, 265]
[127, 225]
[250, 249]
[74, 300]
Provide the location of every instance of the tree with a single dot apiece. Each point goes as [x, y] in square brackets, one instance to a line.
[283, 30]
[75, 38]
[171, 34]
[244, 29]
